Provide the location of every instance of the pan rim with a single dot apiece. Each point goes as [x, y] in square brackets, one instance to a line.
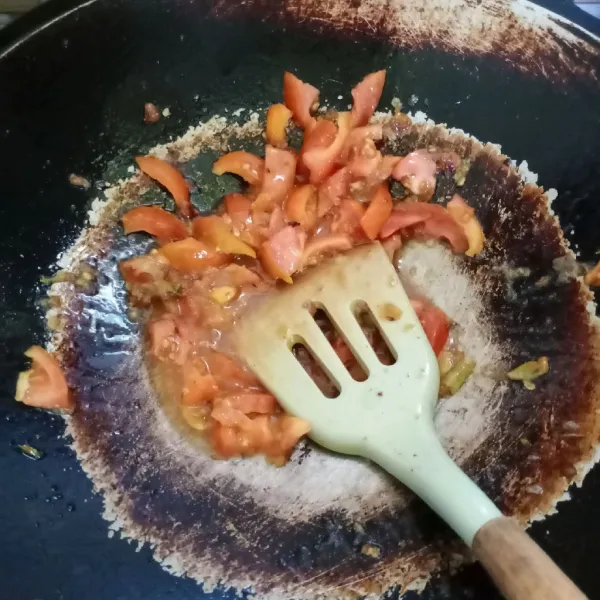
[18, 32]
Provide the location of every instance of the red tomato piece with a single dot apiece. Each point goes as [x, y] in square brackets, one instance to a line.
[281, 255]
[216, 232]
[301, 206]
[279, 174]
[321, 162]
[44, 384]
[169, 177]
[229, 373]
[166, 341]
[198, 387]
[435, 323]
[347, 219]
[327, 244]
[299, 97]
[244, 164]
[333, 191]
[193, 256]
[320, 135]
[278, 117]
[378, 211]
[252, 403]
[366, 97]
[238, 206]
[144, 269]
[156, 221]
[434, 219]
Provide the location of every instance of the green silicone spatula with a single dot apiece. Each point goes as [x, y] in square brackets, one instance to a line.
[387, 418]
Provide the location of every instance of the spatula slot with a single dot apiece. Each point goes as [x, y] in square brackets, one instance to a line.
[370, 327]
[315, 370]
[338, 343]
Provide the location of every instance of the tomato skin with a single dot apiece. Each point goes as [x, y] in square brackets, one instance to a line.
[44, 385]
[198, 387]
[156, 221]
[238, 206]
[327, 244]
[169, 177]
[279, 174]
[214, 230]
[278, 117]
[244, 164]
[320, 135]
[321, 162]
[281, 255]
[301, 206]
[193, 256]
[366, 95]
[434, 219]
[299, 97]
[378, 211]
[435, 323]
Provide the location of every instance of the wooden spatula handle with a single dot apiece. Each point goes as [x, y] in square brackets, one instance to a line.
[518, 566]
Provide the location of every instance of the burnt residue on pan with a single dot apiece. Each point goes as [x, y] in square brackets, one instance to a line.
[521, 34]
[324, 524]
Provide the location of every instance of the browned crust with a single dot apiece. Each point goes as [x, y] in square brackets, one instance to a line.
[215, 532]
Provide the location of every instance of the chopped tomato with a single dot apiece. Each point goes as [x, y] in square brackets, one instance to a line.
[230, 441]
[276, 221]
[251, 403]
[333, 191]
[347, 219]
[198, 387]
[435, 220]
[44, 384]
[229, 373]
[327, 244]
[357, 137]
[166, 342]
[321, 135]
[378, 212]
[417, 172]
[278, 117]
[281, 255]
[247, 166]
[279, 173]
[435, 323]
[144, 269]
[300, 98]
[366, 97]
[214, 231]
[230, 417]
[464, 215]
[193, 256]
[168, 176]
[321, 162]
[301, 206]
[156, 221]
[237, 206]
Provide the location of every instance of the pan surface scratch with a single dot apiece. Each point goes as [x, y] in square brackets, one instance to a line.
[299, 531]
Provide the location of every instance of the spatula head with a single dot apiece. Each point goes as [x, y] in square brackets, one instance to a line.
[391, 397]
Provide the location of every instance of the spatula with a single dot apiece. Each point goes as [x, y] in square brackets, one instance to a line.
[388, 418]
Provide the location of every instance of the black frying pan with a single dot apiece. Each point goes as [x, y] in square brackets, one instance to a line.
[71, 94]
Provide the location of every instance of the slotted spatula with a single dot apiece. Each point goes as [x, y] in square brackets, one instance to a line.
[387, 418]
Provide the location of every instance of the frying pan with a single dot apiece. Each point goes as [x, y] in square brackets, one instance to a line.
[74, 78]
